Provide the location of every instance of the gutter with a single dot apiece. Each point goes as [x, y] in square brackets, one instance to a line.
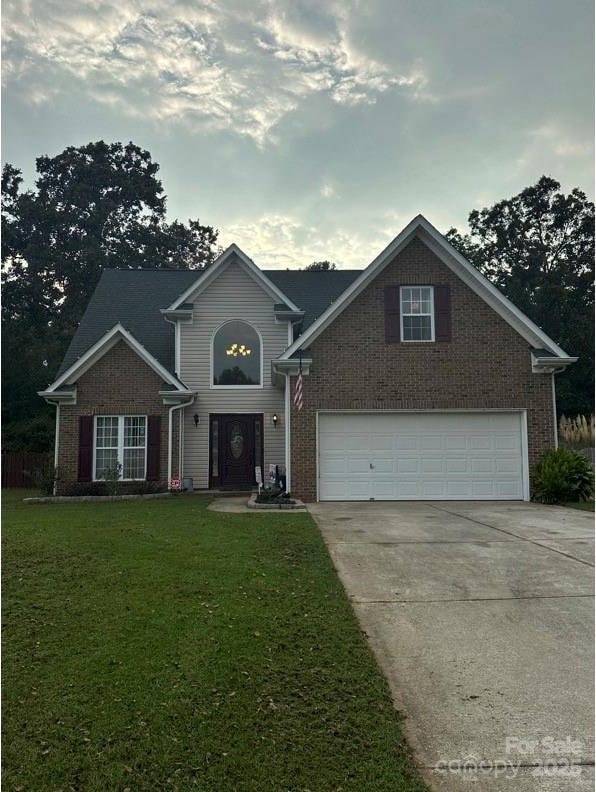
[550, 364]
[170, 421]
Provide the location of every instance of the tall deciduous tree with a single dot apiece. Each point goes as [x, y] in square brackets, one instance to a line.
[538, 248]
[95, 206]
[320, 266]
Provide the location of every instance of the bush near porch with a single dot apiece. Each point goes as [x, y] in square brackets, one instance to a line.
[158, 645]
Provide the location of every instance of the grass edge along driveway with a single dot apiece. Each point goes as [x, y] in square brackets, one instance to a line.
[158, 645]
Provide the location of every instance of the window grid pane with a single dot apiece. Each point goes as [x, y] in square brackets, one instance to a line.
[107, 432]
[417, 328]
[105, 459]
[134, 463]
[134, 432]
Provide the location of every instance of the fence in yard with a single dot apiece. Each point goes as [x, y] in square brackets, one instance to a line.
[15, 463]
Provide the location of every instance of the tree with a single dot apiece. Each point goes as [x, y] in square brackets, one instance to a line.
[96, 206]
[320, 266]
[538, 248]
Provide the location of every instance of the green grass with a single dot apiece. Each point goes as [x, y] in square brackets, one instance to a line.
[156, 645]
[582, 505]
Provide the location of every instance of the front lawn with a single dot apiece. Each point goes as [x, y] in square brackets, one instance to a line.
[156, 645]
[582, 505]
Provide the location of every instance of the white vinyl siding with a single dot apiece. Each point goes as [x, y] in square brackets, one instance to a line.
[422, 456]
[233, 295]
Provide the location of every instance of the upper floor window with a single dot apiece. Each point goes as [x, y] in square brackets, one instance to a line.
[417, 313]
[236, 356]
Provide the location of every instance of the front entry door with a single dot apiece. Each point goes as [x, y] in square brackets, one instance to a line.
[236, 448]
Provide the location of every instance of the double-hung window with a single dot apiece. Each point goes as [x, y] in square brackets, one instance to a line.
[417, 313]
[121, 439]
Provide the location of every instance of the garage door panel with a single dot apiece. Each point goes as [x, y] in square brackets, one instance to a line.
[410, 456]
[406, 442]
[506, 465]
[359, 465]
[456, 465]
[431, 443]
[383, 466]
[431, 466]
[481, 465]
[381, 442]
[480, 442]
[506, 442]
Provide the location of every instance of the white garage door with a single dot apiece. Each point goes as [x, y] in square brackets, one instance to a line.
[420, 456]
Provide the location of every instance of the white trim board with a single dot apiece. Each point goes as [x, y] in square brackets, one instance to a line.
[219, 265]
[211, 372]
[99, 349]
[420, 227]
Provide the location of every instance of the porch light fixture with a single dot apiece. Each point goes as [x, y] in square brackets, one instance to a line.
[238, 349]
[196, 419]
[274, 419]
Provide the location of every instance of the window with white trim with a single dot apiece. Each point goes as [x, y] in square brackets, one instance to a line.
[236, 356]
[121, 439]
[417, 313]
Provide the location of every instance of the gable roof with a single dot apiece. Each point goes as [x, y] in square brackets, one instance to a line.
[421, 228]
[135, 299]
[104, 344]
[132, 298]
[232, 253]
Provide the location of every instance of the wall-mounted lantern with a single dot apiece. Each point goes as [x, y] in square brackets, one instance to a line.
[196, 419]
[274, 419]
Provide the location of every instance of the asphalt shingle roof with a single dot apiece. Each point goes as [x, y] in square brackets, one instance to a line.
[134, 298]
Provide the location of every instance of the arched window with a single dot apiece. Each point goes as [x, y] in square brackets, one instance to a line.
[236, 356]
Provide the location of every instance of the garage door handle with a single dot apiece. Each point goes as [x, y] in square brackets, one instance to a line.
[372, 467]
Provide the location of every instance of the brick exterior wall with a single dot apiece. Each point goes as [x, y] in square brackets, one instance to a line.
[120, 383]
[485, 365]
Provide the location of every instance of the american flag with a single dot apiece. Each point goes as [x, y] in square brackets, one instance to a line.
[298, 392]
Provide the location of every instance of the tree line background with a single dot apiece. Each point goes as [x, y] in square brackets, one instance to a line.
[102, 205]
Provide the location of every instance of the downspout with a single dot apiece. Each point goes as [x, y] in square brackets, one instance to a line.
[288, 407]
[181, 444]
[555, 408]
[170, 441]
[56, 441]
[56, 447]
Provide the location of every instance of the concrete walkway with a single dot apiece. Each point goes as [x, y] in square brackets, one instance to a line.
[481, 616]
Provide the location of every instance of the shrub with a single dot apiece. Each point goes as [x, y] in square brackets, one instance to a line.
[112, 474]
[44, 478]
[77, 488]
[103, 488]
[562, 475]
[273, 495]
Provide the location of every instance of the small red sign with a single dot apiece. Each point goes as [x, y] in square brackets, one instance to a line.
[175, 483]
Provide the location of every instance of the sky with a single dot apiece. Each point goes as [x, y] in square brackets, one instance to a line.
[310, 129]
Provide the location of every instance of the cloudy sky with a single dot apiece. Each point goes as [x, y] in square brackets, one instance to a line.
[310, 129]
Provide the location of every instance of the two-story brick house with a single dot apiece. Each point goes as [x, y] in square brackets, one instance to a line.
[420, 380]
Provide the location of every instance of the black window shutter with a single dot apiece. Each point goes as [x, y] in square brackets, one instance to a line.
[85, 447]
[153, 447]
[392, 315]
[442, 295]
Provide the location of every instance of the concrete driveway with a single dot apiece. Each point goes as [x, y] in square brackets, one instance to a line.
[481, 617]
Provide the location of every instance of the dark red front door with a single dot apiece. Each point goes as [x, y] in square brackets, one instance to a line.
[236, 448]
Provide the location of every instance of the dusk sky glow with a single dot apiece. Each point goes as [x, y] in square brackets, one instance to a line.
[310, 130]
